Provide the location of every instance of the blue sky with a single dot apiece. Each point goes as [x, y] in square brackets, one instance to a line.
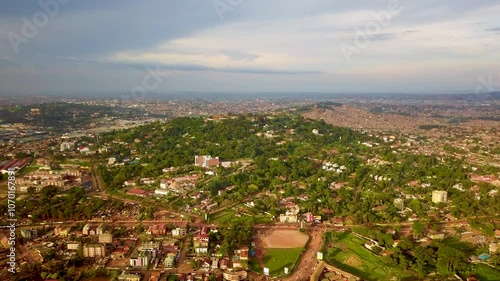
[249, 46]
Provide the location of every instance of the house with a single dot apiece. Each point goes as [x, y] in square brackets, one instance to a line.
[129, 183]
[141, 259]
[147, 181]
[243, 253]
[170, 260]
[120, 252]
[338, 221]
[436, 235]
[215, 263]
[164, 183]
[494, 247]
[370, 245]
[86, 229]
[157, 229]
[83, 149]
[100, 229]
[224, 263]
[178, 232]
[155, 276]
[161, 192]
[196, 195]
[288, 218]
[200, 243]
[206, 264]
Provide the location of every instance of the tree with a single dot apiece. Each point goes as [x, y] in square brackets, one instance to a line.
[417, 230]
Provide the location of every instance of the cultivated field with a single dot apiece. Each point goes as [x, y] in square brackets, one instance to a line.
[350, 255]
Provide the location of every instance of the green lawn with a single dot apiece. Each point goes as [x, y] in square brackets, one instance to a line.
[486, 273]
[277, 259]
[351, 256]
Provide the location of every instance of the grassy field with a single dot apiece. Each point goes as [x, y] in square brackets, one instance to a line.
[277, 259]
[486, 273]
[351, 256]
[258, 218]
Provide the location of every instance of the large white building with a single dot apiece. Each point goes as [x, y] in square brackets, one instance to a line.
[67, 146]
[439, 196]
[94, 250]
[206, 161]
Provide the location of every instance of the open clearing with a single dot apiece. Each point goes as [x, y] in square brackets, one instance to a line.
[284, 239]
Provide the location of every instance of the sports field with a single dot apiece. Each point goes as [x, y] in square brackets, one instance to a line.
[277, 259]
[277, 249]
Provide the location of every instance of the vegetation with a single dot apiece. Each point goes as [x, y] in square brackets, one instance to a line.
[73, 205]
[277, 259]
[347, 252]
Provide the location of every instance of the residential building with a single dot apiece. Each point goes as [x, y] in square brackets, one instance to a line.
[161, 192]
[399, 203]
[150, 245]
[179, 232]
[439, 196]
[67, 146]
[29, 233]
[65, 231]
[125, 276]
[200, 243]
[206, 161]
[157, 229]
[100, 229]
[141, 259]
[94, 250]
[73, 245]
[86, 229]
[105, 238]
[288, 218]
[170, 260]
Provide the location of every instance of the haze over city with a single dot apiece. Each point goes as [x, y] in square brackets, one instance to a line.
[249, 140]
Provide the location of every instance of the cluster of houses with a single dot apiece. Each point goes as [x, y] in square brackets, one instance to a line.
[45, 176]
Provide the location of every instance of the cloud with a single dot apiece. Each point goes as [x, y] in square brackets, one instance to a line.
[283, 44]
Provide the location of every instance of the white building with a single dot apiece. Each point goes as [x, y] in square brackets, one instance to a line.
[73, 245]
[439, 196]
[161, 191]
[66, 146]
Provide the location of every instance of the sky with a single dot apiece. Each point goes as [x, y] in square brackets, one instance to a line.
[167, 46]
